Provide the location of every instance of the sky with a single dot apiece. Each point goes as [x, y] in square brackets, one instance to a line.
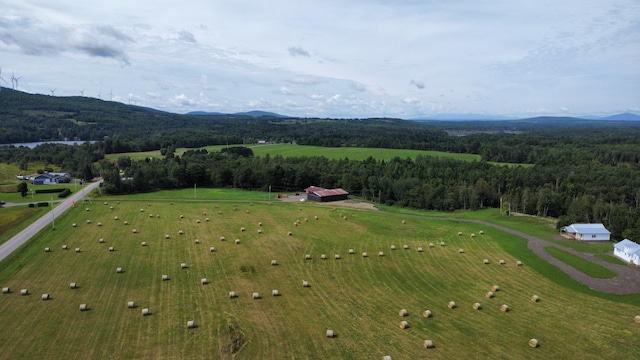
[331, 59]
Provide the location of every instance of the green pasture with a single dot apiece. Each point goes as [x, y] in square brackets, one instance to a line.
[585, 266]
[14, 219]
[9, 194]
[357, 297]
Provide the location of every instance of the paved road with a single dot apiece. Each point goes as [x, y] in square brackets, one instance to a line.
[15, 242]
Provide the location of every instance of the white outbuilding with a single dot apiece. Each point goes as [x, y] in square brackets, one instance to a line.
[628, 251]
[587, 232]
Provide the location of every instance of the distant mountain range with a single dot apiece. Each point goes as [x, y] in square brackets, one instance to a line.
[255, 113]
[485, 117]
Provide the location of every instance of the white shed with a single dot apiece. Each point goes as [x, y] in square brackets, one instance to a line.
[588, 232]
[628, 251]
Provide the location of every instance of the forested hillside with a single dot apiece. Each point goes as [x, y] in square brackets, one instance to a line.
[576, 170]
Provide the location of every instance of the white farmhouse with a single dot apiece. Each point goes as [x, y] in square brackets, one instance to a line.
[588, 232]
[628, 251]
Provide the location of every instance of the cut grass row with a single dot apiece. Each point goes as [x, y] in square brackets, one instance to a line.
[357, 297]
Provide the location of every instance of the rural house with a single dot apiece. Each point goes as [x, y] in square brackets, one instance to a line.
[587, 232]
[325, 195]
[628, 251]
[51, 178]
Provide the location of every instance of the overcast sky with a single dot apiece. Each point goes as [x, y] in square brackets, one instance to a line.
[348, 59]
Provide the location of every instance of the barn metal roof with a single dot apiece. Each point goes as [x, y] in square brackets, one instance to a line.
[325, 192]
[587, 229]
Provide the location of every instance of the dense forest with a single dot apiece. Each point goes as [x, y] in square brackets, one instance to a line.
[573, 169]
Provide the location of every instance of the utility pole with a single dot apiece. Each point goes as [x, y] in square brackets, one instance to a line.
[194, 190]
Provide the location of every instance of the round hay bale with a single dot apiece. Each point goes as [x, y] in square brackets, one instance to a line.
[345, 218]
[222, 238]
[110, 207]
[135, 231]
[116, 218]
[242, 229]
[274, 263]
[24, 292]
[489, 294]
[237, 241]
[180, 232]
[165, 277]
[246, 211]
[404, 324]
[329, 333]
[419, 249]
[131, 304]
[428, 344]
[77, 250]
[212, 249]
[197, 241]
[207, 219]
[141, 210]
[393, 247]
[460, 251]
[427, 314]
[259, 223]
[73, 285]
[495, 288]
[406, 247]
[47, 249]
[219, 212]
[481, 232]
[451, 305]
[477, 306]
[307, 257]
[232, 294]
[351, 251]
[306, 220]
[431, 245]
[181, 216]
[204, 213]
[533, 343]
[364, 254]
[289, 233]
[259, 231]
[183, 265]
[535, 298]
[126, 223]
[275, 293]
[119, 270]
[144, 243]
[380, 253]
[111, 248]
[403, 312]
[45, 296]
[315, 217]
[518, 263]
[106, 203]
[386, 357]
[502, 262]
[323, 257]
[74, 225]
[305, 283]
[99, 224]
[145, 312]
[167, 236]
[404, 222]
[87, 209]
[636, 319]
[473, 235]
[65, 247]
[101, 240]
[255, 296]
[442, 243]
[191, 324]
[295, 223]
[83, 307]
[336, 256]
[203, 281]
[151, 215]
[459, 233]
[6, 290]
[504, 308]
[158, 216]
[485, 261]
[198, 221]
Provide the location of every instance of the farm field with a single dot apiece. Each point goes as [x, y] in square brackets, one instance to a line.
[357, 297]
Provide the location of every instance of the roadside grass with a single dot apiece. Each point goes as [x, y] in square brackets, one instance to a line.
[15, 218]
[359, 298]
[611, 259]
[15, 197]
[584, 266]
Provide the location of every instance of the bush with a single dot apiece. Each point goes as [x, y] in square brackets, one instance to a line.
[51, 191]
[64, 194]
[42, 204]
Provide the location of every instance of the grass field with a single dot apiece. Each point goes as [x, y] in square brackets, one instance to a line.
[359, 298]
[288, 150]
[15, 219]
[586, 267]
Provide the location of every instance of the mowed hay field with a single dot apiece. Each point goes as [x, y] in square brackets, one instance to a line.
[357, 297]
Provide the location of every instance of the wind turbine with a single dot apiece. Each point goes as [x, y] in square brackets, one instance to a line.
[111, 95]
[53, 92]
[1, 78]
[14, 81]
[82, 92]
[100, 94]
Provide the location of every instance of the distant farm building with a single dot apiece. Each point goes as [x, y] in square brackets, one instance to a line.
[628, 251]
[587, 232]
[325, 195]
[51, 178]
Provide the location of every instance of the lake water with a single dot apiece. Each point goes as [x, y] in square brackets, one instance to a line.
[31, 145]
